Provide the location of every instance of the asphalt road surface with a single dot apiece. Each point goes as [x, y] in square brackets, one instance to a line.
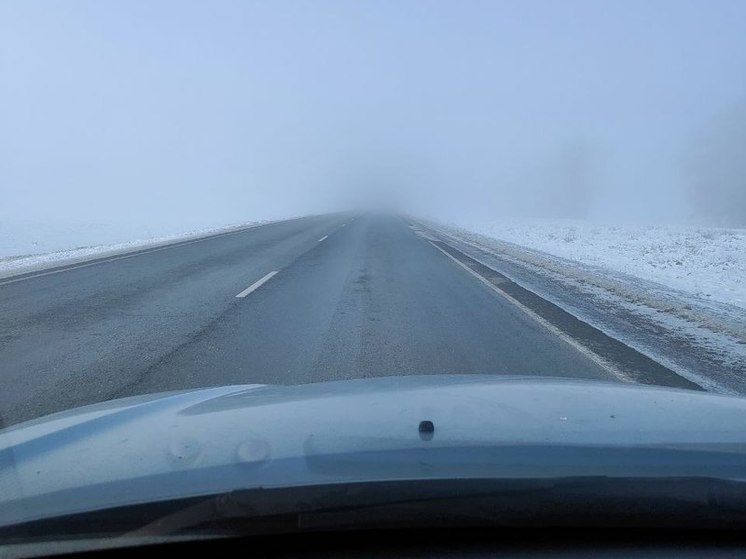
[321, 298]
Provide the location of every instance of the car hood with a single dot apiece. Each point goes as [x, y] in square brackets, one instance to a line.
[200, 442]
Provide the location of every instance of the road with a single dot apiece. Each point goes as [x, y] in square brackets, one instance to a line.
[344, 297]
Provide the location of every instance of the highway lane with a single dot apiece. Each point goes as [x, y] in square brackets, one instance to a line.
[341, 298]
[78, 336]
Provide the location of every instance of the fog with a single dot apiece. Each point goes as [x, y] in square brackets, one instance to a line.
[209, 113]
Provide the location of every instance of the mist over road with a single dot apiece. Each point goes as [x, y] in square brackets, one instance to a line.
[319, 298]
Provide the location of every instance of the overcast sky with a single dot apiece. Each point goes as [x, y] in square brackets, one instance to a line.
[219, 112]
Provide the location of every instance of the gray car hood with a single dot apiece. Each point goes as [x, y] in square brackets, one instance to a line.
[211, 440]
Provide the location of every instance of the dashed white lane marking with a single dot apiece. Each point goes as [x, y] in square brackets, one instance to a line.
[325, 237]
[256, 285]
[597, 359]
[344, 224]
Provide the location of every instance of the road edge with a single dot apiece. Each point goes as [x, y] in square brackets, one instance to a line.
[625, 361]
[134, 250]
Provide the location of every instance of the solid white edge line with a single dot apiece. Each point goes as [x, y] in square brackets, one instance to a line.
[256, 285]
[136, 252]
[597, 359]
[325, 237]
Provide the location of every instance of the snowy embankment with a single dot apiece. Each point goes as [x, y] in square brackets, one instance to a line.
[706, 262]
[677, 294]
[27, 246]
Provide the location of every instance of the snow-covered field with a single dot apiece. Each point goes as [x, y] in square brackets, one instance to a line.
[707, 262]
[28, 245]
[676, 294]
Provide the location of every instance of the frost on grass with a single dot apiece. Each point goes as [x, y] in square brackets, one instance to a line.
[30, 246]
[706, 262]
[676, 294]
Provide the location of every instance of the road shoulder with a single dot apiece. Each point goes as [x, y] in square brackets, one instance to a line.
[702, 342]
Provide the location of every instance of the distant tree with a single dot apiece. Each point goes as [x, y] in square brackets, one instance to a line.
[717, 170]
[571, 192]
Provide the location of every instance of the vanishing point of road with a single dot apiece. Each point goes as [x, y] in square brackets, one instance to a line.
[320, 298]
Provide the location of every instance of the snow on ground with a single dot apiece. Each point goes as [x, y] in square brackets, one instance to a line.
[676, 294]
[30, 245]
[706, 262]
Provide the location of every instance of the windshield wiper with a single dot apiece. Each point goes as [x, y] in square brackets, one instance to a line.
[601, 501]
